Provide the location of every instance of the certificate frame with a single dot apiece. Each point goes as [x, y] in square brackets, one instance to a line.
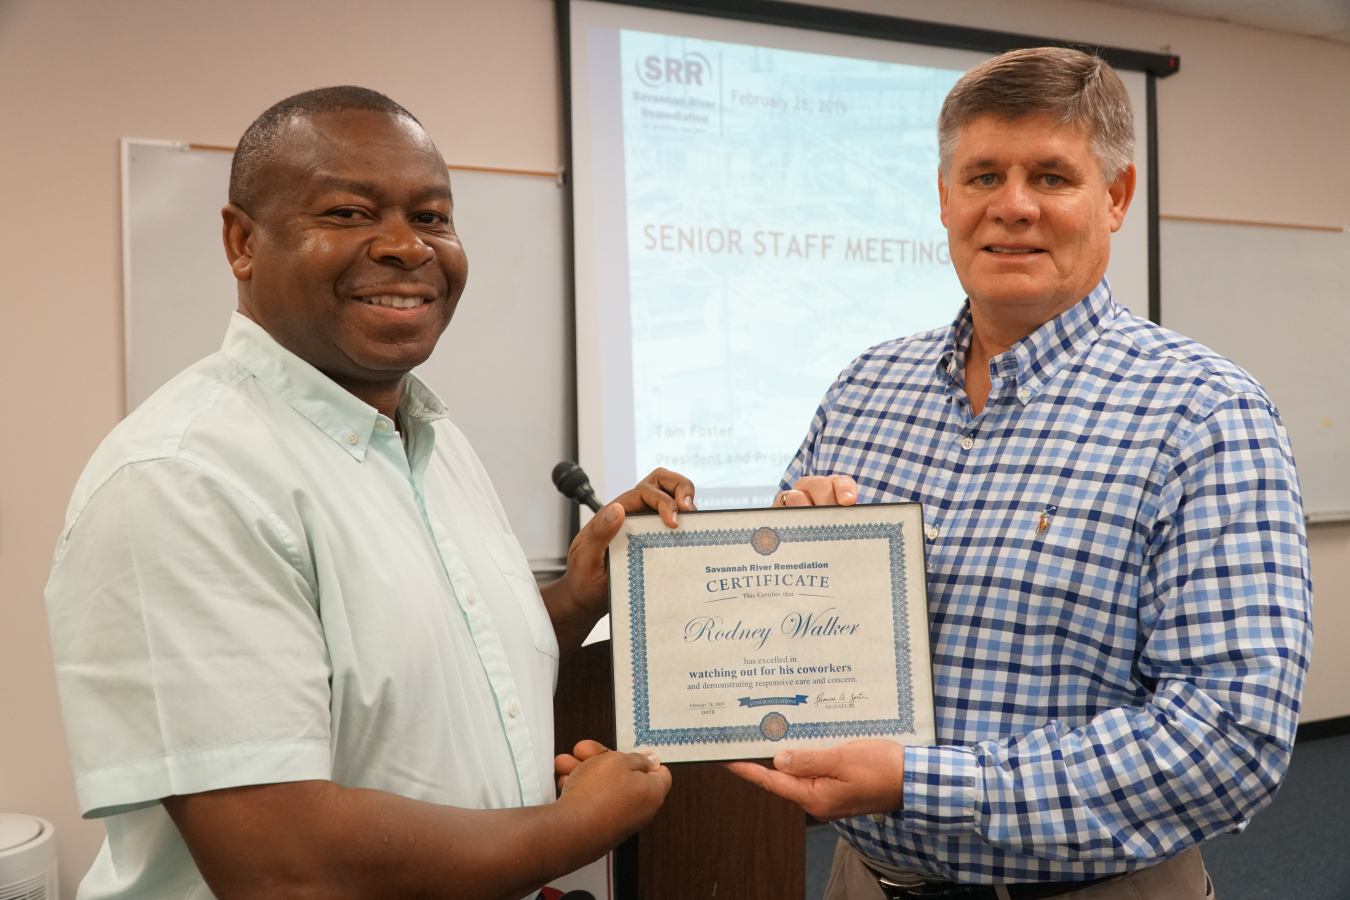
[642, 694]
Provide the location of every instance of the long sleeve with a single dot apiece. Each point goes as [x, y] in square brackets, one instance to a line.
[1227, 613]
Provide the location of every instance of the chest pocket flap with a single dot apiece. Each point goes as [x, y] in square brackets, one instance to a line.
[506, 553]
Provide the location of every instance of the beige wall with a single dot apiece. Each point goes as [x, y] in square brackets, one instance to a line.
[1254, 127]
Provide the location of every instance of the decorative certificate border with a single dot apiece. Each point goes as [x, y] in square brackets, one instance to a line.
[638, 544]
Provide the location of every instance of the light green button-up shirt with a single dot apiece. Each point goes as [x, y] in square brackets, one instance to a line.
[257, 584]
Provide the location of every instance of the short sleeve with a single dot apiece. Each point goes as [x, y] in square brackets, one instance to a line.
[188, 646]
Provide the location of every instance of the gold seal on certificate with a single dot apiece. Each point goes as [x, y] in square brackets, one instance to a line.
[745, 631]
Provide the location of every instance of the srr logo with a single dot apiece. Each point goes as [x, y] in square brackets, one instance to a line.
[692, 68]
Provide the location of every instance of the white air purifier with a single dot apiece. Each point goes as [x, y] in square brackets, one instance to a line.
[27, 858]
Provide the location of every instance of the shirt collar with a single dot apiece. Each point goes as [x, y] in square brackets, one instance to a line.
[335, 411]
[1035, 359]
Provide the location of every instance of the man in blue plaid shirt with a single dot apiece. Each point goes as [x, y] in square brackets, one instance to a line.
[1118, 574]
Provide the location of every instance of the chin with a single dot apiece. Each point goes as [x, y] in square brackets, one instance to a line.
[1015, 290]
[395, 360]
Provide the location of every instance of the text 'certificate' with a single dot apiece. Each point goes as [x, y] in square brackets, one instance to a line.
[745, 631]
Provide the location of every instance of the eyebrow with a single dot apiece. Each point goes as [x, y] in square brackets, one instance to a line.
[1058, 163]
[1050, 163]
[987, 162]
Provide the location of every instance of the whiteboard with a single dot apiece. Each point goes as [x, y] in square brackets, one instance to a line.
[503, 366]
[1277, 302]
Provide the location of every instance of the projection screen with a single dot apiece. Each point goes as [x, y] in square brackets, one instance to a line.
[753, 206]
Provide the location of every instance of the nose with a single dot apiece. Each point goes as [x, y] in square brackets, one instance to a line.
[398, 243]
[1015, 203]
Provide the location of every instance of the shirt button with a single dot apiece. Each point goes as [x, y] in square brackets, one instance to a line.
[1024, 395]
[471, 597]
[931, 532]
[514, 709]
[967, 443]
[352, 438]
[381, 426]
[879, 818]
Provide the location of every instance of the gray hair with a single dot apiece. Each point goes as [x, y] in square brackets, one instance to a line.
[1073, 88]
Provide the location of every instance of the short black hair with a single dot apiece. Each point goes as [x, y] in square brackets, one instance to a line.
[259, 142]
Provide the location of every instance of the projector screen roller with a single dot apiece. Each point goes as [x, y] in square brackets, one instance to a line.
[754, 206]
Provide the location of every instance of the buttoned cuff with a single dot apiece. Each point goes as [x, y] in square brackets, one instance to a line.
[941, 784]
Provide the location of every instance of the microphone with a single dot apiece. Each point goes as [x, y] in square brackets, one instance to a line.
[570, 479]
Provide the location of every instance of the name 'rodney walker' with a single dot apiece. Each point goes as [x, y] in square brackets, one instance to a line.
[795, 625]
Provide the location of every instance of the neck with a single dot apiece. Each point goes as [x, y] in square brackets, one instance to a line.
[995, 328]
[998, 326]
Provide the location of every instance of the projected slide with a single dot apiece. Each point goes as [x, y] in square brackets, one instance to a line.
[782, 216]
[753, 206]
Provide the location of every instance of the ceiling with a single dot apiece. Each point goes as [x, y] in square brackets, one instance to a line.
[1328, 19]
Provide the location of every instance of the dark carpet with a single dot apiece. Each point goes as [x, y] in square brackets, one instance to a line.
[1297, 848]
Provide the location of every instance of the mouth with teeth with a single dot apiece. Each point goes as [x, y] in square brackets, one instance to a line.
[1014, 251]
[393, 301]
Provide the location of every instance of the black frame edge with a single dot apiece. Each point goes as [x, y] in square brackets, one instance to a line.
[563, 22]
[913, 31]
[1323, 728]
[1154, 230]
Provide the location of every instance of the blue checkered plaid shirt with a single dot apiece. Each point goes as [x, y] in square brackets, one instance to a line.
[1118, 590]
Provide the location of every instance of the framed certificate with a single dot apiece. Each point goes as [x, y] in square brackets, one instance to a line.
[745, 631]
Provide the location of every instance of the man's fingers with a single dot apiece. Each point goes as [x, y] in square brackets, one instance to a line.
[604, 525]
[667, 492]
[647, 761]
[652, 496]
[674, 484]
[664, 492]
[586, 749]
[845, 489]
[679, 488]
[780, 783]
[807, 763]
[659, 774]
[820, 490]
[752, 772]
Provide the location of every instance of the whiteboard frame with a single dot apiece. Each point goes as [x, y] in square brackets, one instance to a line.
[125, 152]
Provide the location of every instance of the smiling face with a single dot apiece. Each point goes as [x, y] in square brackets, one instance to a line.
[1029, 217]
[351, 260]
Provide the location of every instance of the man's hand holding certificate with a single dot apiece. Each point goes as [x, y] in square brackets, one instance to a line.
[745, 632]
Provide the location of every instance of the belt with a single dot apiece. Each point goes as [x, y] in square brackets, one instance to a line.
[1033, 890]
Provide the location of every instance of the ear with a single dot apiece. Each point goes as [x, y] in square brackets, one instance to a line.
[942, 197]
[237, 233]
[1122, 192]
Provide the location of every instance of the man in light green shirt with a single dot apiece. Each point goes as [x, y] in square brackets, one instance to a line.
[298, 648]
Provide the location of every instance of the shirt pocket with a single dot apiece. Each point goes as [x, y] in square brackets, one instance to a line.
[515, 570]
